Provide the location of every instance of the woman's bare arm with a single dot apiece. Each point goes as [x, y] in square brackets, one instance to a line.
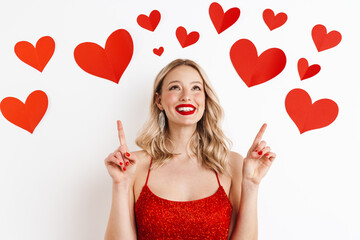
[121, 166]
[255, 166]
[246, 227]
[121, 225]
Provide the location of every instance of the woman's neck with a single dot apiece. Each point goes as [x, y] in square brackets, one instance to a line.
[180, 137]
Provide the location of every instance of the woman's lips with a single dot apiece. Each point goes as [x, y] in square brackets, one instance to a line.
[185, 106]
[186, 112]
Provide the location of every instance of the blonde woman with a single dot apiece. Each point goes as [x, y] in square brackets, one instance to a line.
[185, 183]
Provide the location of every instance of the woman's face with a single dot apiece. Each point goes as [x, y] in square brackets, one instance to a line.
[182, 96]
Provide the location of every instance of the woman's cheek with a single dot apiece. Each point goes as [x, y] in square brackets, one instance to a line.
[200, 98]
[170, 98]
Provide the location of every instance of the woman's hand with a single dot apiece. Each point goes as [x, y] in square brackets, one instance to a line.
[258, 159]
[121, 164]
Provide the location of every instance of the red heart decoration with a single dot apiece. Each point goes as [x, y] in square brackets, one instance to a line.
[158, 51]
[109, 63]
[324, 40]
[252, 69]
[28, 115]
[221, 20]
[305, 71]
[186, 39]
[37, 57]
[274, 21]
[307, 115]
[150, 23]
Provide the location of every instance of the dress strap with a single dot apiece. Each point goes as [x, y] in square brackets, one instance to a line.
[148, 172]
[218, 178]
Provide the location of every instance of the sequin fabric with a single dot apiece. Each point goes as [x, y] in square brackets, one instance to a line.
[159, 218]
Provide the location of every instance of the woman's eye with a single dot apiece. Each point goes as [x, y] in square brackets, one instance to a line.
[173, 87]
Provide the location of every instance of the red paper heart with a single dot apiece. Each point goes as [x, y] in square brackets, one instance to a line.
[109, 63]
[305, 71]
[307, 115]
[150, 23]
[158, 51]
[252, 69]
[28, 115]
[186, 39]
[37, 57]
[220, 20]
[274, 21]
[324, 40]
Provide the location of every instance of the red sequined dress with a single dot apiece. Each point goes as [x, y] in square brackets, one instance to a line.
[159, 218]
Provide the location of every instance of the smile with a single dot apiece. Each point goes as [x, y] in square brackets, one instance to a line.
[185, 109]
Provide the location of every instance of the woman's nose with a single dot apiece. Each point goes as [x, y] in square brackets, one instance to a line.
[185, 96]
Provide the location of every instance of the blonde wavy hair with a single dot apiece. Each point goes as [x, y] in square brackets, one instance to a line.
[208, 142]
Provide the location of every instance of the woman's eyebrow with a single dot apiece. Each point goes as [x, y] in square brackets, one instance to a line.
[179, 81]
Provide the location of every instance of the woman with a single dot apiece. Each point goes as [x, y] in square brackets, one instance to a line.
[198, 188]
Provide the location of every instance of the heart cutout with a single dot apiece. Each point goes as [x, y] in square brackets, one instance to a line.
[28, 115]
[305, 71]
[307, 115]
[274, 21]
[37, 57]
[149, 23]
[254, 69]
[221, 20]
[158, 51]
[324, 40]
[185, 39]
[109, 63]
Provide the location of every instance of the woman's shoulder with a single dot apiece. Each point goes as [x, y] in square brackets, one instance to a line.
[142, 168]
[141, 156]
[235, 162]
[142, 159]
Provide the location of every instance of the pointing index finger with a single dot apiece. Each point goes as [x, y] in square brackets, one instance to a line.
[259, 136]
[121, 133]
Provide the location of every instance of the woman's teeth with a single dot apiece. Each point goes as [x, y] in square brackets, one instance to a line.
[185, 109]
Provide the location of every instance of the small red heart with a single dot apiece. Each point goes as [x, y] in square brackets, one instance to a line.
[158, 51]
[305, 71]
[109, 63]
[307, 115]
[221, 20]
[186, 39]
[324, 40]
[36, 57]
[150, 23]
[274, 21]
[28, 115]
[252, 69]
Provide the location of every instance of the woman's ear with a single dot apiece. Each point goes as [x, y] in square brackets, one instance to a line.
[158, 101]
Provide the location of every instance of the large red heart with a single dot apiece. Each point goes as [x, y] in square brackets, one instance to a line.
[28, 115]
[109, 63]
[221, 20]
[186, 39]
[150, 23]
[274, 21]
[307, 115]
[252, 69]
[305, 71]
[324, 40]
[37, 57]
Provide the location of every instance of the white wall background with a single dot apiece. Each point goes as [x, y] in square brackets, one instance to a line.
[53, 183]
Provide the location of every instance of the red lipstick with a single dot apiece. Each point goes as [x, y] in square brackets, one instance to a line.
[185, 112]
